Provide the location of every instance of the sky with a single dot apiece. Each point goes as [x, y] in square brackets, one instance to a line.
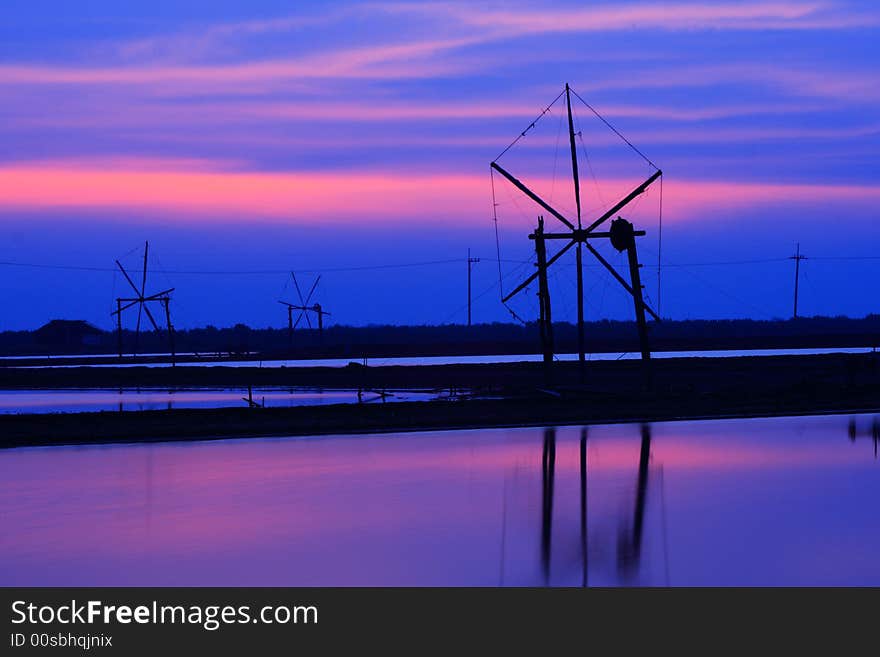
[352, 140]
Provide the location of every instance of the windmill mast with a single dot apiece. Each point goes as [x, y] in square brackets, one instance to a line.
[579, 255]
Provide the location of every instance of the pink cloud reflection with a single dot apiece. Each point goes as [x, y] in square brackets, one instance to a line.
[423, 508]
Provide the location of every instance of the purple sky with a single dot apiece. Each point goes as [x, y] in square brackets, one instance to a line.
[270, 136]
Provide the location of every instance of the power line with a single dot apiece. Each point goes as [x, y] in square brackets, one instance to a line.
[615, 130]
[425, 263]
[845, 258]
[724, 262]
[252, 272]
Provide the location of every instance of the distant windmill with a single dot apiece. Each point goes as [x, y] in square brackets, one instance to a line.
[141, 300]
[304, 309]
[621, 234]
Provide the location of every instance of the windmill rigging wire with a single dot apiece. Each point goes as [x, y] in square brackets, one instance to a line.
[556, 159]
[530, 126]
[659, 245]
[615, 130]
[727, 294]
[498, 251]
[497, 238]
[604, 205]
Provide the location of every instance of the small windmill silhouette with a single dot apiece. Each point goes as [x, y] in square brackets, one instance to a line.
[304, 309]
[141, 301]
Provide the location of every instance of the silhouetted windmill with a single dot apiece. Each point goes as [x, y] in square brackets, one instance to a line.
[304, 309]
[621, 234]
[141, 301]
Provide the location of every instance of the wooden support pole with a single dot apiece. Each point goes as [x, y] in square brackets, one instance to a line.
[289, 327]
[797, 257]
[119, 326]
[137, 329]
[546, 317]
[166, 302]
[470, 264]
[469, 286]
[636, 279]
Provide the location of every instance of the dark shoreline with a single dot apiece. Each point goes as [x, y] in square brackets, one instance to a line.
[688, 388]
[622, 376]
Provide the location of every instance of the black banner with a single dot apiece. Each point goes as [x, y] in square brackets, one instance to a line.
[259, 621]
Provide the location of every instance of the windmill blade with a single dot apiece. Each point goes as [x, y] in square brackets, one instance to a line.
[128, 278]
[157, 295]
[574, 161]
[128, 305]
[620, 279]
[309, 297]
[528, 192]
[625, 201]
[144, 278]
[296, 285]
[150, 317]
[302, 313]
[531, 278]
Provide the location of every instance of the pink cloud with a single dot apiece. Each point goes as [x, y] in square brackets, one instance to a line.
[239, 196]
[346, 196]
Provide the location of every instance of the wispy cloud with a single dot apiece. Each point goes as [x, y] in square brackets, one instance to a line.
[172, 59]
[511, 19]
[371, 62]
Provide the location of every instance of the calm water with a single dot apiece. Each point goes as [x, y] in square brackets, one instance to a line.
[145, 399]
[763, 502]
[465, 360]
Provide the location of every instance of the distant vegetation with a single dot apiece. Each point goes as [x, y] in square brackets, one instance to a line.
[77, 337]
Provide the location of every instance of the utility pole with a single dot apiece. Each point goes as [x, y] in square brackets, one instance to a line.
[797, 257]
[470, 262]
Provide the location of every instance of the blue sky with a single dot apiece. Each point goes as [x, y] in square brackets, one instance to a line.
[254, 138]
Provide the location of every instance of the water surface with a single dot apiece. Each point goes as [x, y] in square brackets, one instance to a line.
[732, 502]
[151, 399]
[462, 360]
